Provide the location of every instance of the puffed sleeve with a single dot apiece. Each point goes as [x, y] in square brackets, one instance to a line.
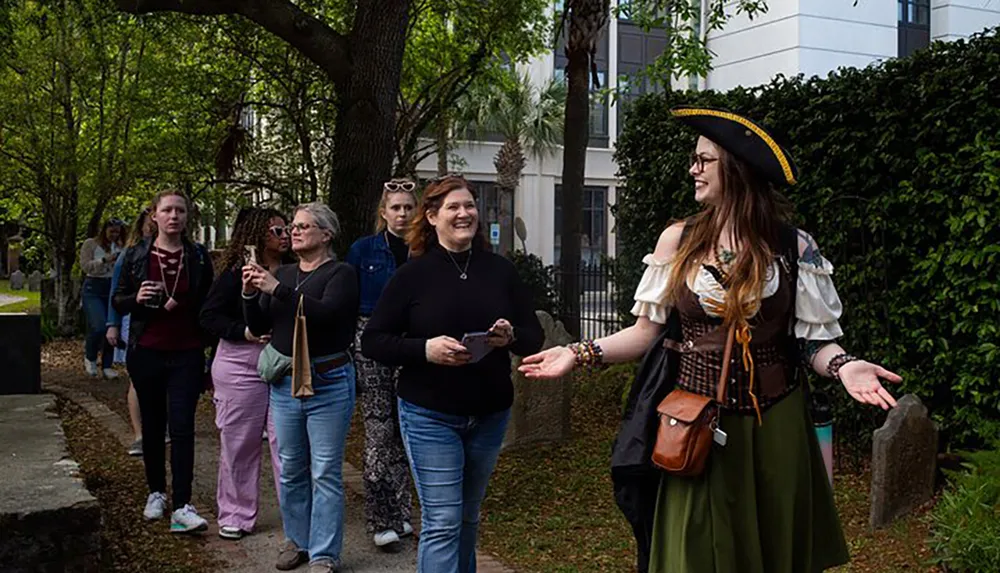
[652, 290]
[817, 305]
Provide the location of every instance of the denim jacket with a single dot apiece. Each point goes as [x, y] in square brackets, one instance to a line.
[373, 261]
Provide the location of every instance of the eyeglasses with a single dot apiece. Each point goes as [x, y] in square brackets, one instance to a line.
[701, 161]
[303, 227]
[399, 185]
[279, 231]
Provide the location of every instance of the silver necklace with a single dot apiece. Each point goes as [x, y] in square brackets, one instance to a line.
[464, 273]
[299, 281]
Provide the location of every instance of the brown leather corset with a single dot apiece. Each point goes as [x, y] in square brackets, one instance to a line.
[704, 340]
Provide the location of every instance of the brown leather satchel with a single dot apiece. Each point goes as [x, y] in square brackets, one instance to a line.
[687, 422]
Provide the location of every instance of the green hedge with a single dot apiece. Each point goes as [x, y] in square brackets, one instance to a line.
[900, 181]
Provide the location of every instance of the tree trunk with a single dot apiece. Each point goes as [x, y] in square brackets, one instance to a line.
[366, 116]
[443, 144]
[576, 133]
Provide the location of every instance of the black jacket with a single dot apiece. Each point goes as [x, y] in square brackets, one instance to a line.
[135, 270]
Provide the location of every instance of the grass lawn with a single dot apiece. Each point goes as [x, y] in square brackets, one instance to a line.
[550, 508]
[31, 304]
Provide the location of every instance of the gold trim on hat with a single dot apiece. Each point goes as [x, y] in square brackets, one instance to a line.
[786, 165]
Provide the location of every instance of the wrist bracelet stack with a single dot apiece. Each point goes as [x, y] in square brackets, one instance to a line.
[833, 368]
[588, 353]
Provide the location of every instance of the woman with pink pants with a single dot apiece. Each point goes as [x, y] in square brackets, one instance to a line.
[241, 397]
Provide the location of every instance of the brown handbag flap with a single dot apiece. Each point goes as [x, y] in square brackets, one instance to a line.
[682, 405]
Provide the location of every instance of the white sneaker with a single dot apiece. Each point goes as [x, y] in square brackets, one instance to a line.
[155, 506]
[387, 537]
[110, 374]
[187, 520]
[407, 529]
[90, 367]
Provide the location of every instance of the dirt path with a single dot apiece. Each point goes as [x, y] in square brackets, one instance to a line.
[105, 401]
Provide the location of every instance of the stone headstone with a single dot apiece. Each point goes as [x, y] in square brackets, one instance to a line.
[16, 280]
[20, 354]
[35, 281]
[541, 410]
[904, 456]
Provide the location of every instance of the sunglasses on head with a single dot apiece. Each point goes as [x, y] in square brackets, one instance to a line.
[399, 185]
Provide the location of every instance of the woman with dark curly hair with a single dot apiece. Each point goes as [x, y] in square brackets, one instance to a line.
[241, 397]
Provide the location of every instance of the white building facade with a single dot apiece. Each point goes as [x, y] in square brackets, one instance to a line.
[811, 37]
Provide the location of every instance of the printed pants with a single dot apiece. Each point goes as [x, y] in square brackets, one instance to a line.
[386, 471]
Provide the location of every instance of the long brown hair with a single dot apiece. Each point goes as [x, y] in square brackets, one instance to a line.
[380, 223]
[250, 229]
[135, 234]
[102, 235]
[757, 212]
[420, 234]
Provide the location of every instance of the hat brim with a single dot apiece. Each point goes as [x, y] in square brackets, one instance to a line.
[744, 139]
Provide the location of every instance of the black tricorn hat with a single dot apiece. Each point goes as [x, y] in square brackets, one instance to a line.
[744, 139]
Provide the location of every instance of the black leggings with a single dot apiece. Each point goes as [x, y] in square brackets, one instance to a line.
[168, 384]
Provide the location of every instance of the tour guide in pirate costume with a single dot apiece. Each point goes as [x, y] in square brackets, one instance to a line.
[762, 502]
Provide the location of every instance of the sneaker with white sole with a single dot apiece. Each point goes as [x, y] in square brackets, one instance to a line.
[90, 367]
[230, 532]
[387, 540]
[407, 529]
[187, 520]
[135, 449]
[110, 374]
[156, 504]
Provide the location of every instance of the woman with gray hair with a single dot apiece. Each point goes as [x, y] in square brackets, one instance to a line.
[312, 431]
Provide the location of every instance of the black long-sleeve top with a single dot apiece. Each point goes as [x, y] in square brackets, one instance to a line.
[222, 312]
[331, 308]
[427, 298]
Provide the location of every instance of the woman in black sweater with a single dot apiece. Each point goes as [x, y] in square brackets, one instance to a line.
[312, 431]
[454, 401]
[240, 397]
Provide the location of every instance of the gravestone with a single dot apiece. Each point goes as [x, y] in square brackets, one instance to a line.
[20, 353]
[35, 281]
[541, 410]
[17, 280]
[904, 455]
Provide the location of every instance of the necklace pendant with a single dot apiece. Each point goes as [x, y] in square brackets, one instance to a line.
[463, 276]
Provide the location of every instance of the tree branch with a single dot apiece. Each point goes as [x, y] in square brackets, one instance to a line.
[312, 37]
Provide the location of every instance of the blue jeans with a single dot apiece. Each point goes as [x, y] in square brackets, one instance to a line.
[312, 433]
[95, 306]
[452, 459]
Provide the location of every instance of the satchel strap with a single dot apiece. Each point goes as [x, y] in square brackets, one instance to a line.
[727, 355]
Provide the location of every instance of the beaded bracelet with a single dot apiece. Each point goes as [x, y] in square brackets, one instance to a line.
[833, 367]
[588, 353]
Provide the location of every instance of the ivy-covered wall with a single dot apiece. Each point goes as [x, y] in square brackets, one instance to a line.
[899, 184]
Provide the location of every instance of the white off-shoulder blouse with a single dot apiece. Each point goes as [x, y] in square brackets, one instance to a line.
[817, 305]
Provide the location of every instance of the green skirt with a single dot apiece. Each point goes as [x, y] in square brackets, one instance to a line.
[763, 504]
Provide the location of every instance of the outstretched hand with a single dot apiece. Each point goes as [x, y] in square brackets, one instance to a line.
[552, 363]
[862, 380]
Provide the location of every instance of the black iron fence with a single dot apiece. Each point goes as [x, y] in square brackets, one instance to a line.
[597, 312]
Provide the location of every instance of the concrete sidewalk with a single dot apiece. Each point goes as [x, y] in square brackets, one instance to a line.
[257, 552]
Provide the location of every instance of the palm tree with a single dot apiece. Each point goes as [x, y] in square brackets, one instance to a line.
[587, 19]
[528, 117]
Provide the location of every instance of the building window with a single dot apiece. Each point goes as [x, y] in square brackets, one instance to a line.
[598, 105]
[914, 26]
[495, 208]
[594, 240]
[636, 51]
